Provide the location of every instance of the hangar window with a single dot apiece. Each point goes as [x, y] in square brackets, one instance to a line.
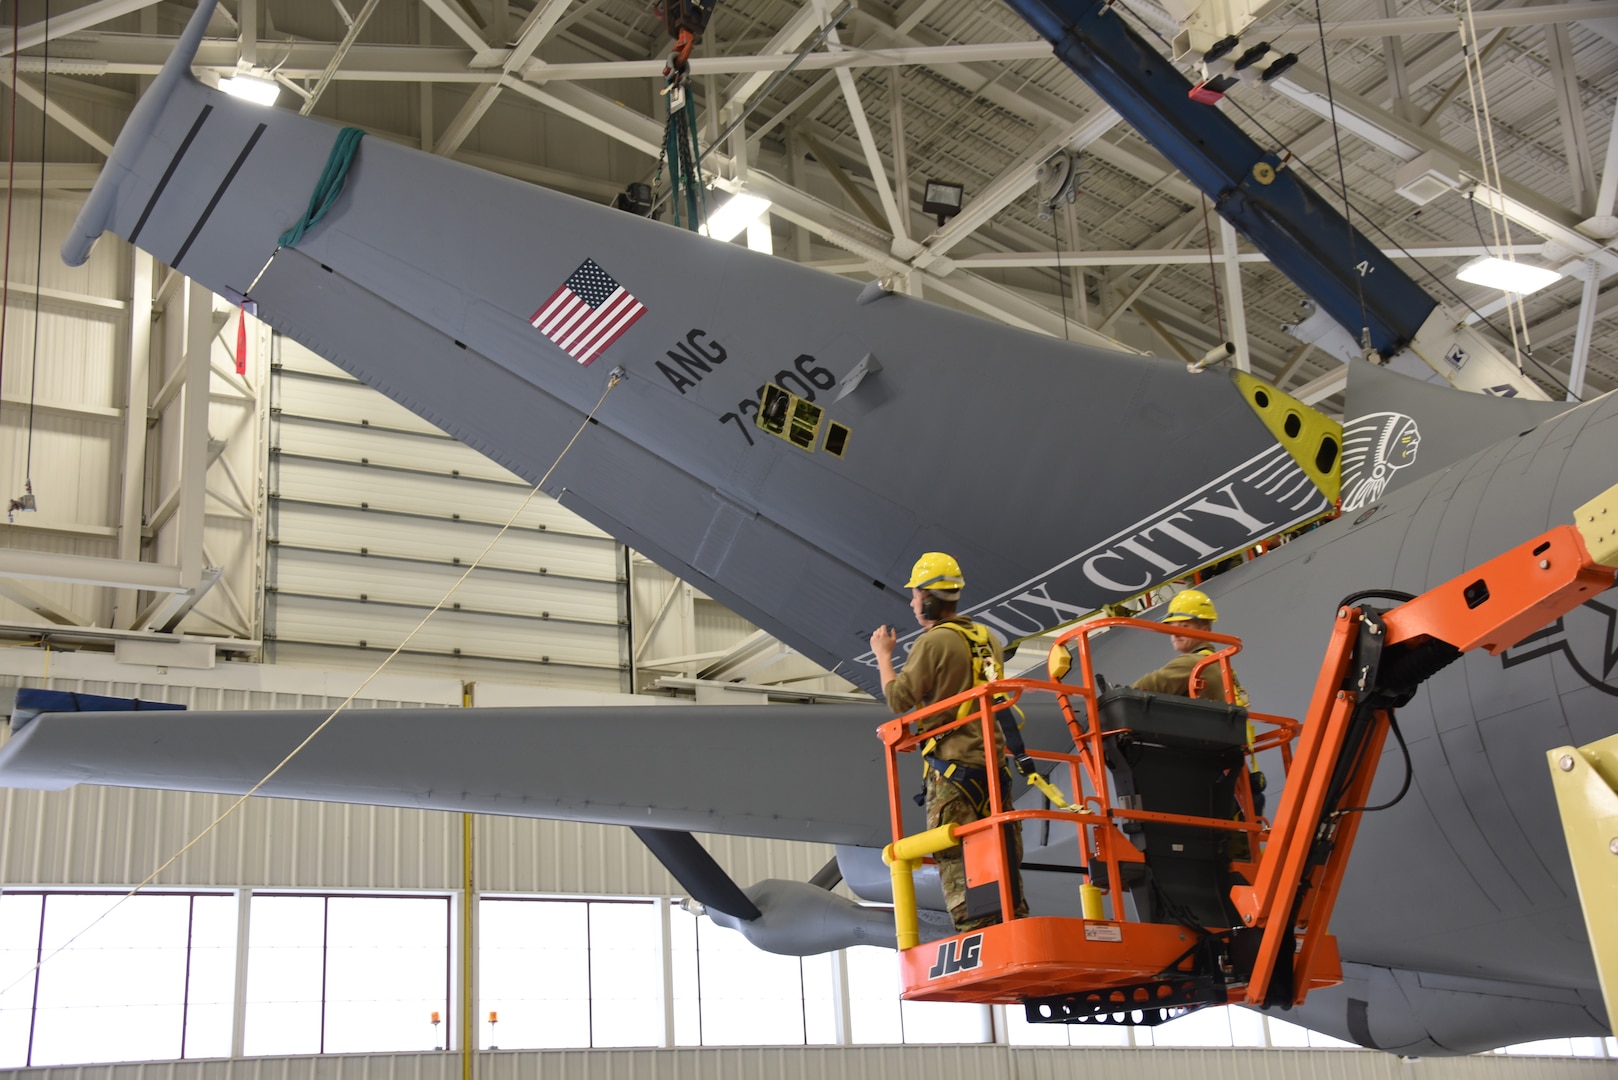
[155, 978]
[880, 1017]
[344, 974]
[727, 993]
[151, 977]
[568, 973]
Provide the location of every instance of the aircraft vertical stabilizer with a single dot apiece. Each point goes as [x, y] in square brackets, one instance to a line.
[1397, 429]
[497, 310]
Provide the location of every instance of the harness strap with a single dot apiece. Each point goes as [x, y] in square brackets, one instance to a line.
[986, 668]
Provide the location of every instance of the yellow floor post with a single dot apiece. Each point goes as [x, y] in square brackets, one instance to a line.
[1586, 782]
[468, 898]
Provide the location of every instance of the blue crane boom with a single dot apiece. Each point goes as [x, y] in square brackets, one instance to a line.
[1293, 225]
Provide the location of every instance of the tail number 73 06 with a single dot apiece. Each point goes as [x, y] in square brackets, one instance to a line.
[803, 378]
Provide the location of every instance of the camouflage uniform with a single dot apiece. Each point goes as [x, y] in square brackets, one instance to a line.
[940, 666]
[1174, 677]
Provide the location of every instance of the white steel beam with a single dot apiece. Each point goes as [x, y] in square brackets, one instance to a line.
[455, 17]
[1235, 305]
[48, 610]
[247, 26]
[53, 109]
[1393, 54]
[1016, 179]
[1584, 332]
[72, 22]
[901, 159]
[137, 392]
[461, 125]
[337, 56]
[1176, 257]
[1527, 208]
[1607, 196]
[84, 301]
[89, 570]
[530, 36]
[194, 433]
[873, 157]
[1558, 326]
[58, 175]
[1570, 111]
[590, 187]
[804, 22]
[1355, 29]
[1319, 389]
[406, 63]
[808, 212]
[540, 22]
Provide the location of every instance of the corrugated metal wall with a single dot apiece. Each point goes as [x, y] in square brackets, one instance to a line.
[75, 381]
[375, 514]
[116, 836]
[852, 1063]
[72, 363]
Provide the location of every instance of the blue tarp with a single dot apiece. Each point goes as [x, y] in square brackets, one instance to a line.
[31, 702]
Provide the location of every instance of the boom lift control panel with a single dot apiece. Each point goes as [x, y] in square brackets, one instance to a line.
[1191, 896]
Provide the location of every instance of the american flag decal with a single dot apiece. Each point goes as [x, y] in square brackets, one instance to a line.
[588, 313]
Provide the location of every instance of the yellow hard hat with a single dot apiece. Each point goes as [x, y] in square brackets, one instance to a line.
[1191, 604]
[935, 570]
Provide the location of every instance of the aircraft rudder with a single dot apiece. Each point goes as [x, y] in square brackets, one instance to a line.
[97, 214]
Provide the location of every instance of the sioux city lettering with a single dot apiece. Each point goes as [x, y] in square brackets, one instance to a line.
[1222, 518]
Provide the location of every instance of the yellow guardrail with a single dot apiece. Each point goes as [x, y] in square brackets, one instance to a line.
[903, 857]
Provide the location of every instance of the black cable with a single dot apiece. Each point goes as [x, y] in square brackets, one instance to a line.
[1061, 278]
[1472, 203]
[1342, 173]
[39, 251]
[1386, 594]
[1404, 789]
[1527, 347]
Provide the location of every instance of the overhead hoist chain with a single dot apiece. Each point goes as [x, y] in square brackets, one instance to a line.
[685, 21]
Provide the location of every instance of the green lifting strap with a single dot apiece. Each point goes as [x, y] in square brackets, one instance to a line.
[330, 185]
[680, 148]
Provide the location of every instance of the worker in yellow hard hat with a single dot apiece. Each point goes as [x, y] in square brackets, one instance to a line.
[1191, 608]
[951, 656]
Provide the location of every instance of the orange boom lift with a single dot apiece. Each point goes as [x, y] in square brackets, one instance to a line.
[1176, 912]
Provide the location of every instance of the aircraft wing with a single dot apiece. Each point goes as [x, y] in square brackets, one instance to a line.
[809, 772]
[439, 285]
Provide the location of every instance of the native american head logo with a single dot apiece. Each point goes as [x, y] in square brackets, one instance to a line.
[1375, 446]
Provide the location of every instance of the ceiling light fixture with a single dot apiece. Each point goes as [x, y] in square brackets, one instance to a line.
[254, 88]
[1507, 276]
[942, 200]
[738, 212]
[759, 237]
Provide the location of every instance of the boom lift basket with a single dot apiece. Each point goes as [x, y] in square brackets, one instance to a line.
[1160, 788]
[1192, 897]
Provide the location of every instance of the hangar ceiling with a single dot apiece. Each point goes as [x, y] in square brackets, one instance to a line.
[565, 93]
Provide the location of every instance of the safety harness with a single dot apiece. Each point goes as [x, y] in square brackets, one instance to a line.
[972, 781]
